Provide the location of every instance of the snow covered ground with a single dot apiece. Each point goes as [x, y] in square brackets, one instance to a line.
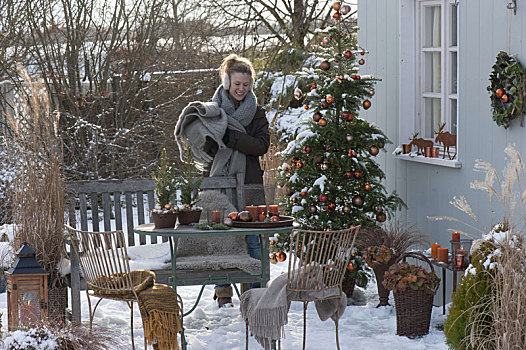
[362, 326]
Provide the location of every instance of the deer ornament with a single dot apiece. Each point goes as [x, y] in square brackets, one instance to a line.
[447, 140]
[420, 143]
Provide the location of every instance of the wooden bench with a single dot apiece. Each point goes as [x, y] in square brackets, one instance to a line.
[102, 198]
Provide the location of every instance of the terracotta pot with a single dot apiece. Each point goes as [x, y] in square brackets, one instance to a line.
[348, 285]
[189, 216]
[166, 220]
[383, 293]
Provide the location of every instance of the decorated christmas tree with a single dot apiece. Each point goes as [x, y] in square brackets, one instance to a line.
[329, 174]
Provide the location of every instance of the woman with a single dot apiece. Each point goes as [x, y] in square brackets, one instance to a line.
[236, 98]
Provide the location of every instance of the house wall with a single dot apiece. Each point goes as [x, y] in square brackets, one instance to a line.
[428, 189]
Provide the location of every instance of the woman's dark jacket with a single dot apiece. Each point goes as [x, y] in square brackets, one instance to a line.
[254, 144]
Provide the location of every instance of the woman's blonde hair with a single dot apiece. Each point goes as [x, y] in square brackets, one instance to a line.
[235, 64]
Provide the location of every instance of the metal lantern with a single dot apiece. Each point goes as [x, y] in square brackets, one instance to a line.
[27, 294]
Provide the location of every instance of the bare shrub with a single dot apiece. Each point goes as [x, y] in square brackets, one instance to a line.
[38, 187]
[397, 235]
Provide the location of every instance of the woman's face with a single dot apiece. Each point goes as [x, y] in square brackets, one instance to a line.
[239, 85]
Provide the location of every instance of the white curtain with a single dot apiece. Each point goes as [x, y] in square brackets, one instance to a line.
[437, 76]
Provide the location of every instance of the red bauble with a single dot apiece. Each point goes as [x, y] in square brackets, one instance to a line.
[329, 99]
[323, 198]
[358, 174]
[346, 115]
[325, 65]
[347, 54]
[307, 149]
[327, 149]
[349, 174]
[336, 15]
[316, 117]
[368, 187]
[366, 104]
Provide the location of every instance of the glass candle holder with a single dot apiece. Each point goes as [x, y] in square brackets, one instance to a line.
[273, 210]
[459, 261]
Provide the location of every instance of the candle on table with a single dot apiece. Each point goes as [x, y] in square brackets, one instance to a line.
[273, 210]
[434, 248]
[455, 235]
[442, 254]
[464, 253]
[253, 210]
[262, 212]
[216, 216]
[459, 260]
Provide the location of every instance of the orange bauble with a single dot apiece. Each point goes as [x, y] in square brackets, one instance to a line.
[299, 164]
[368, 187]
[366, 104]
[281, 256]
[322, 122]
[336, 6]
[350, 266]
[505, 98]
[329, 99]
[499, 92]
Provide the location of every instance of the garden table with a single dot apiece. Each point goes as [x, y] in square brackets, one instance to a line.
[189, 231]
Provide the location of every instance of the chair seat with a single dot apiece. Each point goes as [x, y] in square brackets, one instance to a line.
[115, 285]
[311, 295]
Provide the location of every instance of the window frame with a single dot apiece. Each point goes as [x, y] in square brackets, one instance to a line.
[412, 51]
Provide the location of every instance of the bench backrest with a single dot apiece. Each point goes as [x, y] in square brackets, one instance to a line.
[101, 198]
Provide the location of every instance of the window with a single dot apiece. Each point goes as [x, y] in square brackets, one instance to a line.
[428, 68]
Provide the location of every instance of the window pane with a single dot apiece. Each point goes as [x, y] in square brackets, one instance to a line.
[432, 72]
[453, 106]
[453, 71]
[431, 23]
[431, 117]
[453, 25]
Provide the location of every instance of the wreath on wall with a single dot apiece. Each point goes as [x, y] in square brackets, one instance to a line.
[507, 90]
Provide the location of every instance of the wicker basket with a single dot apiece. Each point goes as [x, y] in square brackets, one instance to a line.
[413, 307]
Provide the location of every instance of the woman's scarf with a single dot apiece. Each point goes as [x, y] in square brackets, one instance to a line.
[246, 110]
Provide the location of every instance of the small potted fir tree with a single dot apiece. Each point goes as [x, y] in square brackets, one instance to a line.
[188, 183]
[164, 214]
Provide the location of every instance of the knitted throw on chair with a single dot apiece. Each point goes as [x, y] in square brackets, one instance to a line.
[161, 316]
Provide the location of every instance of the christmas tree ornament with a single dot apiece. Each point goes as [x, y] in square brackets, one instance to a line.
[331, 207]
[304, 193]
[368, 187]
[294, 159]
[330, 37]
[281, 256]
[346, 115]
[348, 174]
[345, 9]
[366, 104]
[373, 150]
[361, 61]
[313, 209]
[273, 259]
[306, 107]
[378, 208]
[336, 15]
[322, 122]
[293, 200]
[362, 53]
[499, 92]
[324, 166]
[323, 198]
[325, 65]
[299, 164]
[325, 41]
[329, 99]
[327, 149]
[324, 104]
[346, 209]
[358, 174]
[312, 86]
[505, 98]
[307, 149]
[381, 217]
[316, 117]
[347, 54]
[357, 201]
[287, 168]
[349, 137]
[371, 92]
[351, 117]
[337, 6]
[298, 94]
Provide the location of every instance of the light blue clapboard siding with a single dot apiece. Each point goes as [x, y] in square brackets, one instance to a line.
[428, 189]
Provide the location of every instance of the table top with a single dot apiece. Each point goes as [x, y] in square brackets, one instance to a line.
[185, 230]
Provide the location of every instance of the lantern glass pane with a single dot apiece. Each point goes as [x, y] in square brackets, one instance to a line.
[28, 307]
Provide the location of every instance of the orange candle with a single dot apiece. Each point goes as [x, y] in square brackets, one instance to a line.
[253, 210]
[273, 210]
[216, 216]
[455, 235]
[442, 254]
[434, 248]
[262, 209]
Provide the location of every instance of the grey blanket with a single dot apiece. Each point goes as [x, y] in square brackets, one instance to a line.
[266, 309]
[199, 121]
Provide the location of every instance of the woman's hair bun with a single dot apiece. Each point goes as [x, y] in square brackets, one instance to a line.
[235, 64]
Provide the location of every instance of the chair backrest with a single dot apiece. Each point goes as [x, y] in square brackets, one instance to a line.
[318, 259]
[103, 259]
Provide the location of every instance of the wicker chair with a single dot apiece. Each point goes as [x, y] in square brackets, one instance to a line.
[104, 262]
[330, 250]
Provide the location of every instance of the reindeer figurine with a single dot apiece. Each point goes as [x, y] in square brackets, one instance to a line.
[420, 143]
[447, 140]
